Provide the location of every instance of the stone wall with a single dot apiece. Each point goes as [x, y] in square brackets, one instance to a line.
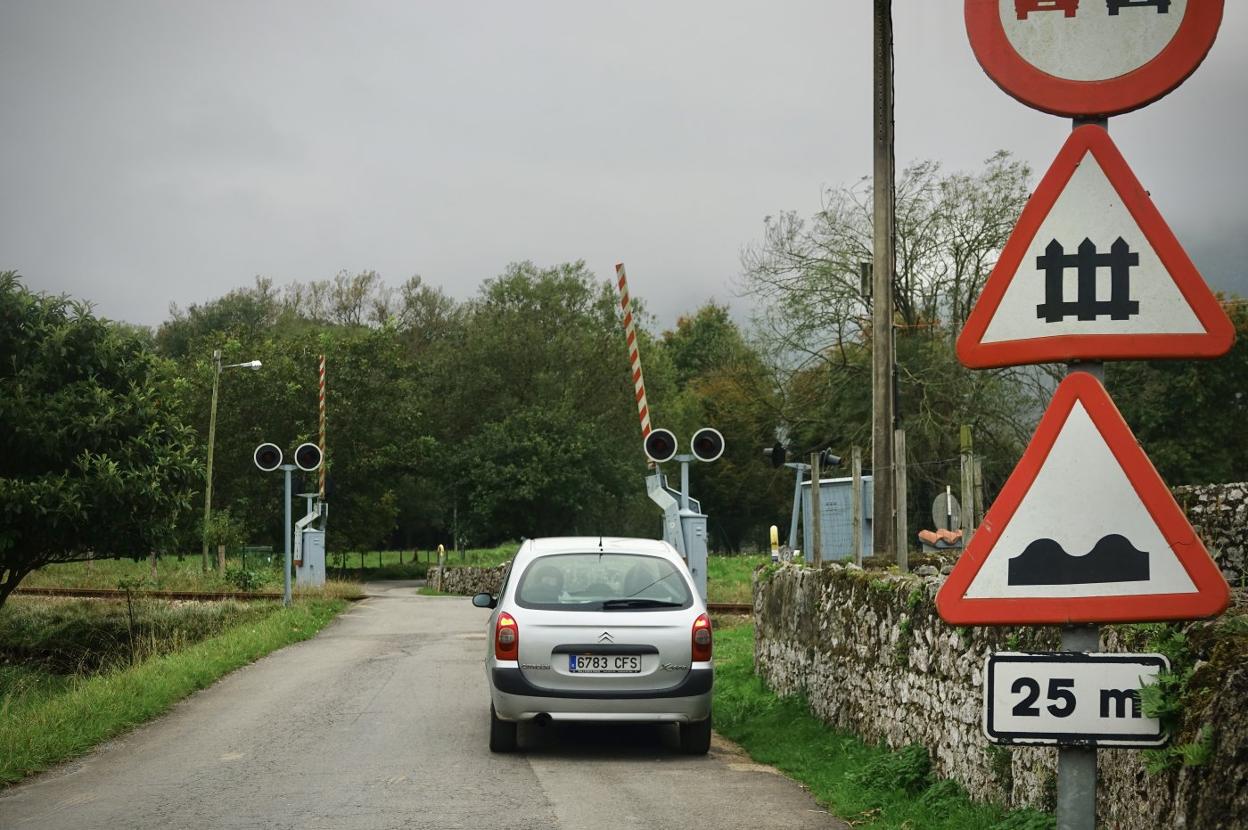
[1219, 512]
[466, 581]
[872, 657]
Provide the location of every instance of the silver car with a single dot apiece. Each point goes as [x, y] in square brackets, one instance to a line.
[598, 629]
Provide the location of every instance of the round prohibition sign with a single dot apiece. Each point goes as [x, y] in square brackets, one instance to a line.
[1091, 57]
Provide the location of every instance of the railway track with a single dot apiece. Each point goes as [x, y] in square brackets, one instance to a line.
[114, 593]
[730, 608]
[213, 596]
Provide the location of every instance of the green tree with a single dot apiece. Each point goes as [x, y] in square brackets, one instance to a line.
[724, 383]
[540, 434]
[93, 458]
[1189, 414]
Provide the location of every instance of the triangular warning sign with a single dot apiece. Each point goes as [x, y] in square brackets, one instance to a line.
[1084, 531]
[1092, 272]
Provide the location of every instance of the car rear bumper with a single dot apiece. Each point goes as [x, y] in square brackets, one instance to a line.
[515, 698]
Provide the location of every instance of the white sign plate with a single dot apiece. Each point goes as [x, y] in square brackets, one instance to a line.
[1070, 699]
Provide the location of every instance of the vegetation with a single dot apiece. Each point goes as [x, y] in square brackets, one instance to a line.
[47, 716]
[93, 455]
[872, 787]
[261, 573]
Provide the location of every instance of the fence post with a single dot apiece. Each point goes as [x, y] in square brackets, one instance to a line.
[899, 490]
[968, 486]
[855, 471]
[816, 511]
[979, 491]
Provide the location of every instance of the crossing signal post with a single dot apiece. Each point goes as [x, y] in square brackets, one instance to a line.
[268, 458]
[684, 523]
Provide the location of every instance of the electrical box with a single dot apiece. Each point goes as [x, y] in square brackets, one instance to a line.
[838, 525]
[310, 573]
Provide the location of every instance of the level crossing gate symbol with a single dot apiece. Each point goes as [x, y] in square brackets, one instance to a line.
[1119, 261]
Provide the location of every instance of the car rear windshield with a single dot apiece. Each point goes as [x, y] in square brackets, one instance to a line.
[603, 582]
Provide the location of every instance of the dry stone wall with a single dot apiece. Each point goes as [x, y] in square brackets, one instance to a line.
[466, 581]
[872, 656]
[1219, 512]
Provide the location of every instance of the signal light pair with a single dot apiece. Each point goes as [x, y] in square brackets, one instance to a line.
[707, 445]
[779, 453]
[268, 457]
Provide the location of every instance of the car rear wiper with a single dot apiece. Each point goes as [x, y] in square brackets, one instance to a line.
[638, 602]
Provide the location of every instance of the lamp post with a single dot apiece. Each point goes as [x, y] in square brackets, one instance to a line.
[212, 436]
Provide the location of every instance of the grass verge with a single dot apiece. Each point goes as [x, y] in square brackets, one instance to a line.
[728, 577]
[45, 720]
[871, 787]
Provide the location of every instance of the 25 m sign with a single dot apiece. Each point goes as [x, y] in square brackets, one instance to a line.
[1070, 699]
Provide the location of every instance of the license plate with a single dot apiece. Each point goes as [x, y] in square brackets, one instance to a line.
[604, 663]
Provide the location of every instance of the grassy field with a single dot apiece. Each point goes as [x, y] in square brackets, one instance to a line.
[173, 574]
[728, 577]
[76, 687]
[871, 787]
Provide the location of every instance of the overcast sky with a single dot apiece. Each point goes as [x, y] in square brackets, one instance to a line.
[168, 152]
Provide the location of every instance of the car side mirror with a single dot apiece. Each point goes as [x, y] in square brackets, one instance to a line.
[484, 600]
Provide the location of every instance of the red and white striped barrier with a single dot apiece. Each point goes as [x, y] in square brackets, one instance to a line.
[321, 413]
[634, 356]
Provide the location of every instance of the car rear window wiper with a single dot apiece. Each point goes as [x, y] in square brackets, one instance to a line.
[638, 602]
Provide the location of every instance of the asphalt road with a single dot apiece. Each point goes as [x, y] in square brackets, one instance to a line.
[381, 722]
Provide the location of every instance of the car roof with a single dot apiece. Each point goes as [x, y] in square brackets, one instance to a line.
[592, 544]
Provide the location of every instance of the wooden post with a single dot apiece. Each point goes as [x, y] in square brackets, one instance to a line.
[979, 491]
[903, 530]
[221, 559]
[884, 242]
[816, 511]
[968, 486]
[855, 471]
[151, 558]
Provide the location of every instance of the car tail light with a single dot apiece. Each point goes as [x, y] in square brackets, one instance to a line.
[702, 639]
[506, 638]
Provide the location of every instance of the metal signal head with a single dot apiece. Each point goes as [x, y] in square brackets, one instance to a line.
[707, 444]
[308, 457]
[827, 459]
[268, 457]
[777, 454]
[660, 445]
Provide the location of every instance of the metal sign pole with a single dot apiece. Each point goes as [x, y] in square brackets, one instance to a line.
[1076, 765]
[287, 468]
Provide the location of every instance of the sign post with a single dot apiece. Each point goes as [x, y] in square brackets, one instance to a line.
[1085, 531]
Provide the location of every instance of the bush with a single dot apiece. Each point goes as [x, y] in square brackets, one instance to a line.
[244, 580]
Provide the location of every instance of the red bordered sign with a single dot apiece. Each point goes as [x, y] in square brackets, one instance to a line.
[1090, 216]
[1084, 531]
[1091, 57]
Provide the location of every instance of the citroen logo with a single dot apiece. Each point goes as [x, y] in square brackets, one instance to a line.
[605, 637]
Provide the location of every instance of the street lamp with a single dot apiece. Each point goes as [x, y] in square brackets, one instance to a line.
[212, 436]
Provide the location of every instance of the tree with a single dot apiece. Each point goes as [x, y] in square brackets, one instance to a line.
[724, 383]
[1189, 415]
[814, 320]
[93, 458]
[539, 426]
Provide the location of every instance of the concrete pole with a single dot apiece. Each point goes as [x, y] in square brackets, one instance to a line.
[287, 468]
[212, 437]
[882, 289]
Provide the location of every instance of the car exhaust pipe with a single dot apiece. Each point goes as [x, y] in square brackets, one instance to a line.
[542, 719]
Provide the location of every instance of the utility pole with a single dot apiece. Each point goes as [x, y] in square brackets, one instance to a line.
[883, 508]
